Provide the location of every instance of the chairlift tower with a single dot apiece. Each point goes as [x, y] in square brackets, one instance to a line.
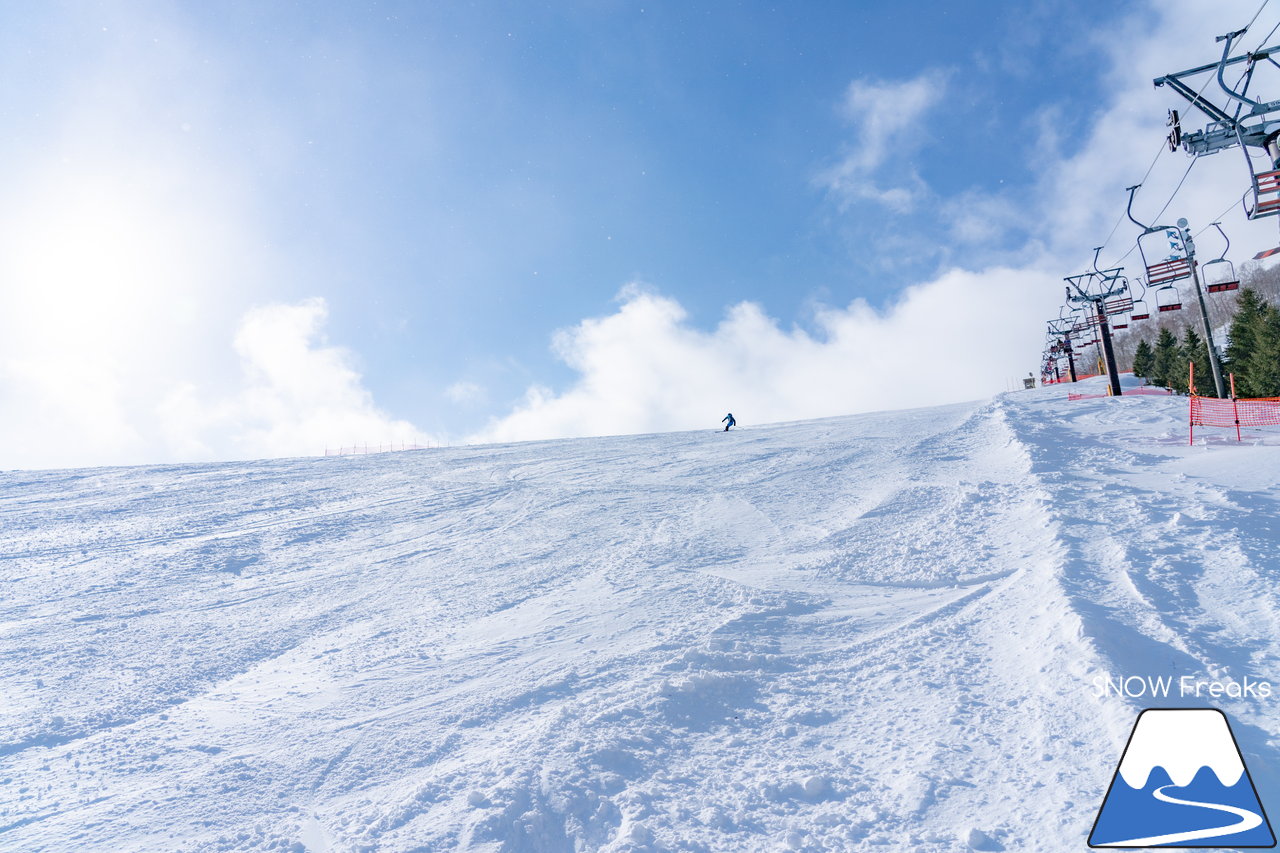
[1251, 124]
[1063, 331]
[1181, 264]
[1095, 288]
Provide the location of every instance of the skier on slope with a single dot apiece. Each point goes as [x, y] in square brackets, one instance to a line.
[728, 421]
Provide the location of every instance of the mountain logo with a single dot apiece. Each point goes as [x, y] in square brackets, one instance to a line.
[1181, 783]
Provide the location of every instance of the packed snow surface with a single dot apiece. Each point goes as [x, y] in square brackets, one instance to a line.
[879, 632]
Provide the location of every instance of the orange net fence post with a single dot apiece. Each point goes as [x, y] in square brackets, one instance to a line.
[1235, 405]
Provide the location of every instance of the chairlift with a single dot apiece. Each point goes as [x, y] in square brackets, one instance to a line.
[1121, 321]
[1228, 128]
[1140, 310]
[1169, 270]
[1163, 242]
[1265, 185]
[1221, 280]
[1121, 305]
[1168, 299]
[1220, 274]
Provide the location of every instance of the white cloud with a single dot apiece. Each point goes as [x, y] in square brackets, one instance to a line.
[116, 276]
[129, 255]
[982, 219]
[963, 334]
[465, 393]
[890, 121]
[295, 395]
[646, 368]
[128, 259]
[299, 395]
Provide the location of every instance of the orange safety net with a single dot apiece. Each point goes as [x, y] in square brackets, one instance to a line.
[1249, 412]
[1232, 412]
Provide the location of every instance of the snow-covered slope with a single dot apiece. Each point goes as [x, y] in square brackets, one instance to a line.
[873, 632]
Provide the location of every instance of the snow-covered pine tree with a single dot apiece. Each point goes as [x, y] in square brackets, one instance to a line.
[1242, 340]
[1194, 350]
[1144, 360]
[1263, 364]
[1168, 362]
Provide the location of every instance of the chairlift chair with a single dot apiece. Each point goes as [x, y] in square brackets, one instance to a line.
[1169, 271]
[1166, 243]
[1168, 299]
[1266, 188]
[1220, 274]
[1121, 321]
[1140, 311]
[1121, 305]
[1266, 195]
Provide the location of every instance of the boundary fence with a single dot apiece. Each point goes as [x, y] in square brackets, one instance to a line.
[1066, 380]
[1232, 412]
[365, 449]
[1132, 392]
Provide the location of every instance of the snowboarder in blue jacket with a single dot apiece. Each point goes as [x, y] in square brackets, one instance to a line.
[728, 421]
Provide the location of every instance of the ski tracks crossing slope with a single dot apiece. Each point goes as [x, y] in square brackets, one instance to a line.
[874, 632]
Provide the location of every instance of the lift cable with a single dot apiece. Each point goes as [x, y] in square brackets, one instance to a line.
[1120, 260]
[1203, 86]
[1255, 18]
[1222, 214]
[1163, 147]
[1181, 181]
[1178, 187]
[1121, 217]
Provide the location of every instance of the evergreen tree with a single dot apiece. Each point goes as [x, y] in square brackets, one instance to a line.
[1263, 364]
[1165, 369]
[1196, 351]
[1144, 361]
[1242, 340]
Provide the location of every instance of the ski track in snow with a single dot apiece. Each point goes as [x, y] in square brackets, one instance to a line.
[863, 633]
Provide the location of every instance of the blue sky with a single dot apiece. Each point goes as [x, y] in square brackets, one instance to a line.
[457, 184]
